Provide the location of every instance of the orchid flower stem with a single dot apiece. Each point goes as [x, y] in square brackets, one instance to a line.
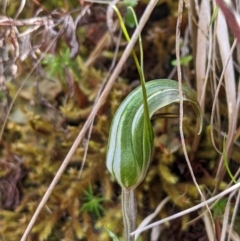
[131, 137]
[128, 200]
[129, 212]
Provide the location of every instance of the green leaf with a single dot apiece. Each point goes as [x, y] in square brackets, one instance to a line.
[214, 15]
[129, 19]
[226, 162]
[130, 3]
[112, 235]
[183, 61]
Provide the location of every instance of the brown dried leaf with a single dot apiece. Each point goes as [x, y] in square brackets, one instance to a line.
[231, 16]
[70, 35]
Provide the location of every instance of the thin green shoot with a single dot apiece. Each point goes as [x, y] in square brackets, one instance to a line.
[183, 60]
[111, 234]
[226, 162]
[128, 199]
[147, 123]
[214, 16]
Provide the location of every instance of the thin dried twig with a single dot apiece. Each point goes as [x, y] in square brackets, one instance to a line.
[228, 75]
[234, 215]
[208, 226]
[202, 50]
[189, 210]
[231, 16]
[9, 22]
[178, 32]
[22, 4]
[226, 215]
[150, 217]
[203, 46]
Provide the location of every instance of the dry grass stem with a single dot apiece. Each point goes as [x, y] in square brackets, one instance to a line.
[207, 219]
[189, 210]
[202, 52]
[180, 9]
[150, 217]
[234, 213]
[22, 4]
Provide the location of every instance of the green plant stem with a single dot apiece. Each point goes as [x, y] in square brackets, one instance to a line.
[129, 212]
[225, 160]
[138, 65]
[128, 200]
